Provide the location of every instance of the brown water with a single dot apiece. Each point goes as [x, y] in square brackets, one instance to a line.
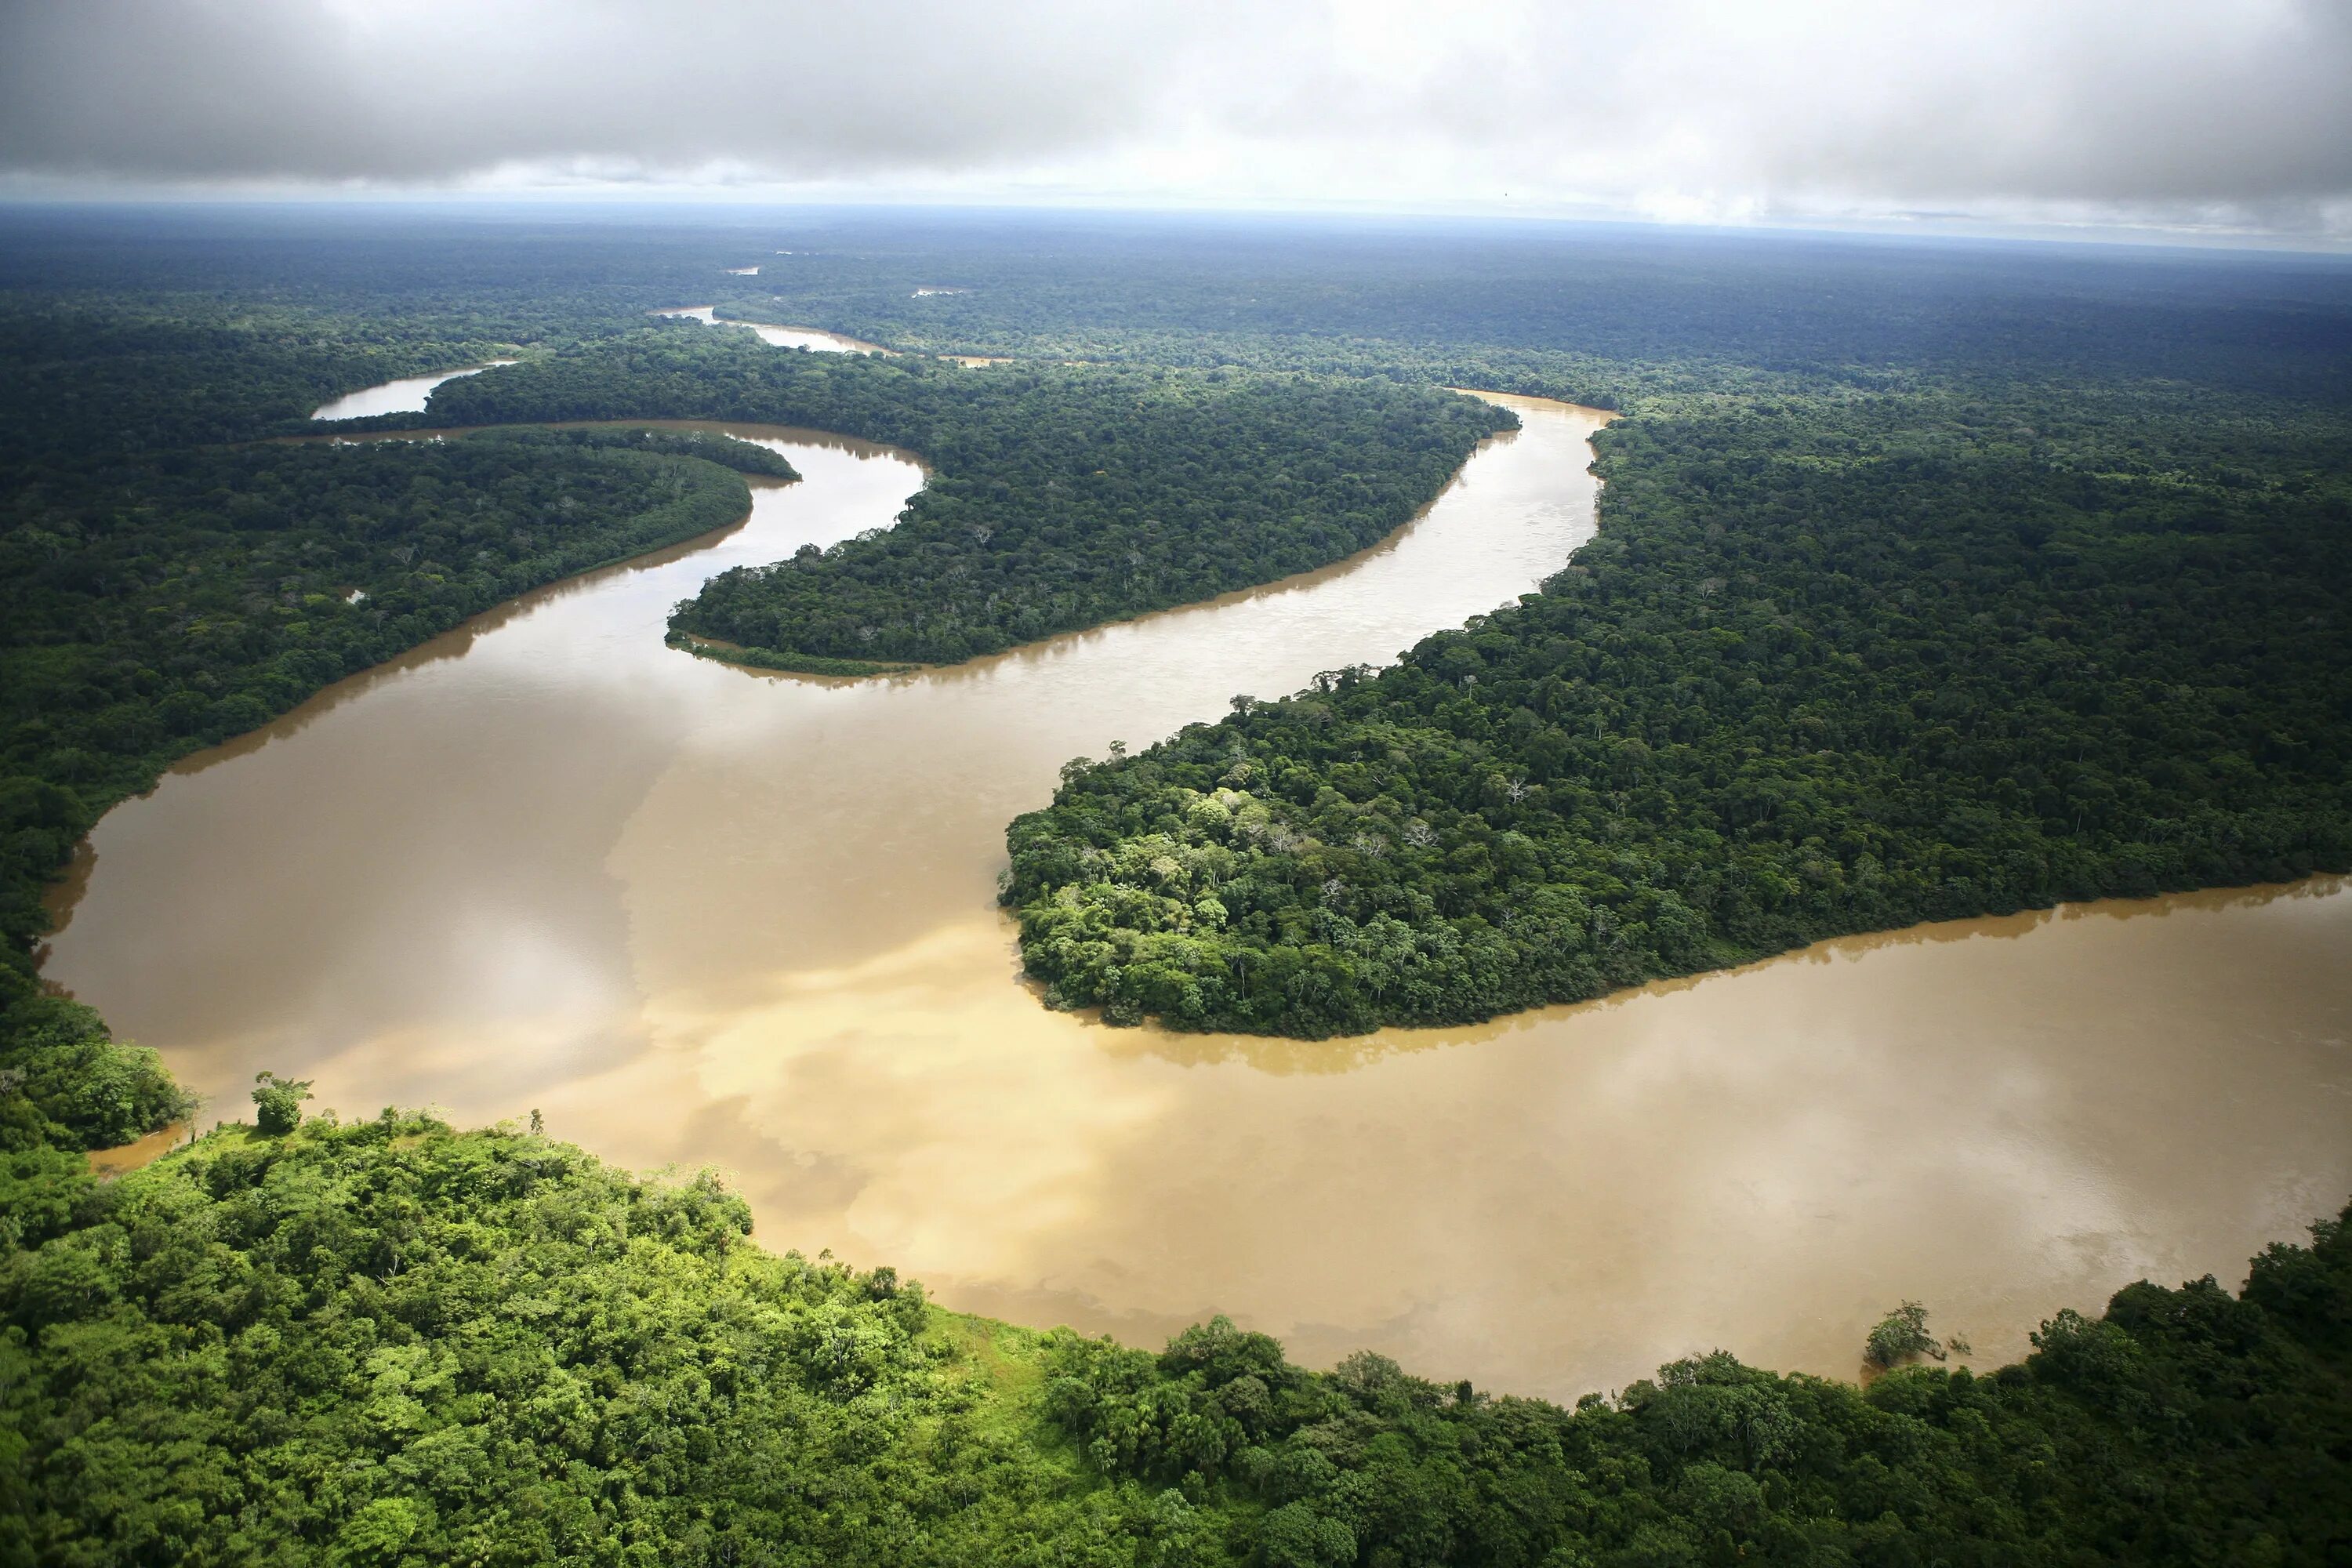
[783, 337]
[817, 339]
[406, 395]
[145, 1152]
[700, 914]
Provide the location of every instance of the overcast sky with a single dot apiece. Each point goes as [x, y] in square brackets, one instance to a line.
[2216, 117]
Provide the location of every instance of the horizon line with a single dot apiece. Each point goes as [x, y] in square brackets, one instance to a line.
[1926, 226]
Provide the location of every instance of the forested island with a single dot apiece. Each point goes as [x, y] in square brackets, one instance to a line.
[1896, 612]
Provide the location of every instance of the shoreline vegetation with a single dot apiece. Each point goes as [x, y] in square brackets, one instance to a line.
[727, 652]
[387, 1340]
[720, 652]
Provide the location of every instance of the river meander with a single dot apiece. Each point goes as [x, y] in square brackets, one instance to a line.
[699, 914]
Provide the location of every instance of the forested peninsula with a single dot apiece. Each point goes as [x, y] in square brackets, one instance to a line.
[1060, 497]
[1832, 665]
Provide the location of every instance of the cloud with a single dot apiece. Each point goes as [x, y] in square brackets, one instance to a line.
[2228, 113]
[440, 91]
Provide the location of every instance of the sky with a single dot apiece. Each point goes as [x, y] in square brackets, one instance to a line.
[2220, 119]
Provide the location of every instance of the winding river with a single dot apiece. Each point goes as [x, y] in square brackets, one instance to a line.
[699, 914]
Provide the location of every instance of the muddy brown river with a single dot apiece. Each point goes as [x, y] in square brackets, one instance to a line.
[698, 915]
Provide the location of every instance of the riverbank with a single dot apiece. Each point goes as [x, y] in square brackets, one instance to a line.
[724, 652]
[405, 395]
[920, 1436]
[815, 339]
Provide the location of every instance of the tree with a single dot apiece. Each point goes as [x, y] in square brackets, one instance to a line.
[1901, 1334]
[279, 1101]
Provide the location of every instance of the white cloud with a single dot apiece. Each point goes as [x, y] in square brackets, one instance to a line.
[2230, 114]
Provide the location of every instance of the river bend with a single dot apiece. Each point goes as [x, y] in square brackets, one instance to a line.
[701, 915]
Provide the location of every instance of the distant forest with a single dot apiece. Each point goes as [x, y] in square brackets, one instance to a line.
[1931, 580]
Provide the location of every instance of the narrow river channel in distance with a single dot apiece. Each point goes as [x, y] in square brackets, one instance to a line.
[395, 397]
[700, 915]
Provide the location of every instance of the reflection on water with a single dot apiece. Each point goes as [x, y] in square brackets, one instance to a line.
[406, 395]
[817, 339]
[701, 915]
[783, 337]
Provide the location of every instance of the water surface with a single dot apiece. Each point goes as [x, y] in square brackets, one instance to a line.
[783, 337]
[406, 395]
[699, 914]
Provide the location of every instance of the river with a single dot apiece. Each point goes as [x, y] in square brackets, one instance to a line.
[699, 914]
[782, 337]
[406, 395]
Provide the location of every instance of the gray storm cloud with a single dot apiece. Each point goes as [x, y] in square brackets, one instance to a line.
[2184, 110]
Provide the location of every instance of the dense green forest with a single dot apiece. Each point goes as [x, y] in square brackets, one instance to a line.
[386, 1343]
[187, 602]
[1834, 664]
[120, 340]
[1931, 581]
[1593, 313]
[1060, 497]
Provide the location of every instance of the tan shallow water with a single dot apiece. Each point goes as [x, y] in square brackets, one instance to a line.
[699, 914]
[783, 337]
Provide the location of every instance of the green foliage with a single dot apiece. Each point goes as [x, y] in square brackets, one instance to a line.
[385, 1342]
[743, 457]
[65, 1080]
[150, 614]
[278, 1103]
[1834, 664]
[2186, 1426]
[1900, 1335]
[1060, 497]
[139, 331]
